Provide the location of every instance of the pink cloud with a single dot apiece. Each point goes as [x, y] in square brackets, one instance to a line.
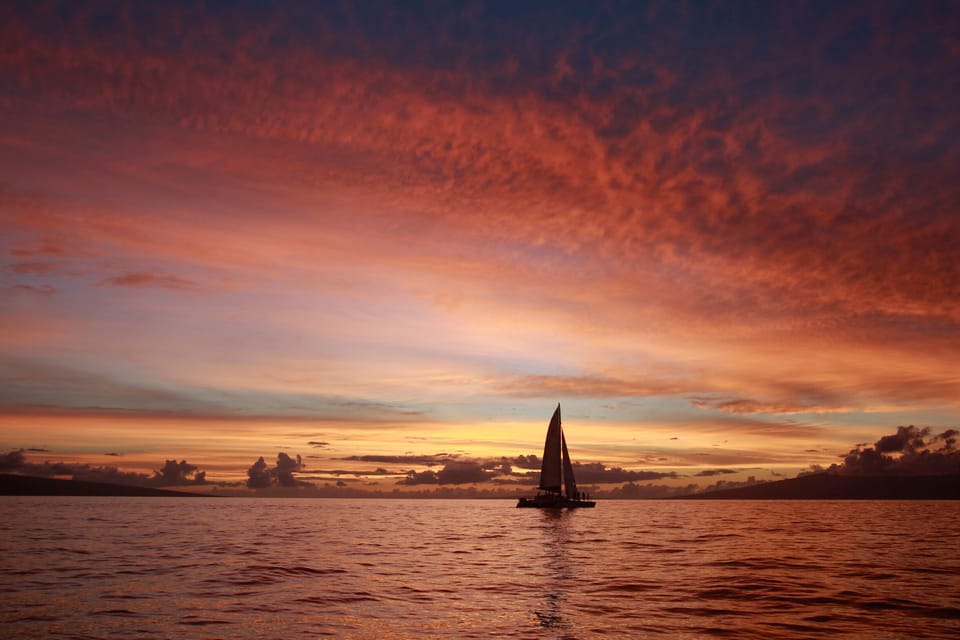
[520, 231]
[31, 267]
[140, 279]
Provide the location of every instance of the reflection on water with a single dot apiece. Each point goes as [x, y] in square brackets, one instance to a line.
[555, 531]
[127, 568]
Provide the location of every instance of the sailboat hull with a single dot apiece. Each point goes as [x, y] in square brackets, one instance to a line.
[554, 502]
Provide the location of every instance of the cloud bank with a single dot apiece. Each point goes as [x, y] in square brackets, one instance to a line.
[910, 451]
[172, 473]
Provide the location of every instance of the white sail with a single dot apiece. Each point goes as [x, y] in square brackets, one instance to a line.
[568, 482]
[550, 474]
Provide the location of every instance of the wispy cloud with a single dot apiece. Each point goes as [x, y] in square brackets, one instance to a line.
[31, 267]
[748, 406]
[164, 281]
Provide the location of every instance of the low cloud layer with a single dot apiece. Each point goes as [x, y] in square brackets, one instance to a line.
[172, 473]
[695, 167]
[706, 473]
[455, 472]
[501, 471]
[910, 451]
[428, 460]
[597, 473]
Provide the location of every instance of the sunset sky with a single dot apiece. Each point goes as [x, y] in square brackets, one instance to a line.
[725, 236]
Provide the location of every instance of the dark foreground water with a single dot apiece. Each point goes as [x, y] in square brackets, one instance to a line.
[247, 568]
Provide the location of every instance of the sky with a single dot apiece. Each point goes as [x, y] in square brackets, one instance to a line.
[390, 239]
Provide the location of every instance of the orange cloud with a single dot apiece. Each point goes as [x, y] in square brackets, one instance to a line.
[255, 220]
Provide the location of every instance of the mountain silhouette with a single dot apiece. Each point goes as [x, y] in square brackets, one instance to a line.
[14, 485]
[826, 486]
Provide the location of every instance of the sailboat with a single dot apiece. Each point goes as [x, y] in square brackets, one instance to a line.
[558, 488]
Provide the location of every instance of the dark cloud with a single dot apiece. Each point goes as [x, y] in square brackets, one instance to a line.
[285, 468]
[261, 476]
[454, 472]
[429, 460]
[318, 444]
[948, 438]
[179, 473]
[597, 473]
[12, 460]
[905, 439]
[462, 473]
[910, 451]
[258, 475]
[530, 461]
[714, 472]
[357, 473]
[506, 464]
[420, 477]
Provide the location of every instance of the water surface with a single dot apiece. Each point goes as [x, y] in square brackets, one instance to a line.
[248, 568]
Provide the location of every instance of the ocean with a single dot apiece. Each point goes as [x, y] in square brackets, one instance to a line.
[287, 568]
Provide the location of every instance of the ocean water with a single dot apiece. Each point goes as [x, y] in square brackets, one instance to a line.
[249, 568]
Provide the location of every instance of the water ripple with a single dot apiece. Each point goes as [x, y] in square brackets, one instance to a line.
[92, 568]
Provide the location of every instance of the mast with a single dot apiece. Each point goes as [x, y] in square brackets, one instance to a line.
[550, 473]
[568, 482]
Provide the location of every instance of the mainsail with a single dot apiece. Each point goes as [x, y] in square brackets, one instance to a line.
[550, 474]
[556, 470]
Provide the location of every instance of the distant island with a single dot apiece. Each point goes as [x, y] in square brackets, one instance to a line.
[827, 486]
[14, 485]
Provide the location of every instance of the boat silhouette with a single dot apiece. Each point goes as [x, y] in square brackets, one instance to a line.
[558, 487]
